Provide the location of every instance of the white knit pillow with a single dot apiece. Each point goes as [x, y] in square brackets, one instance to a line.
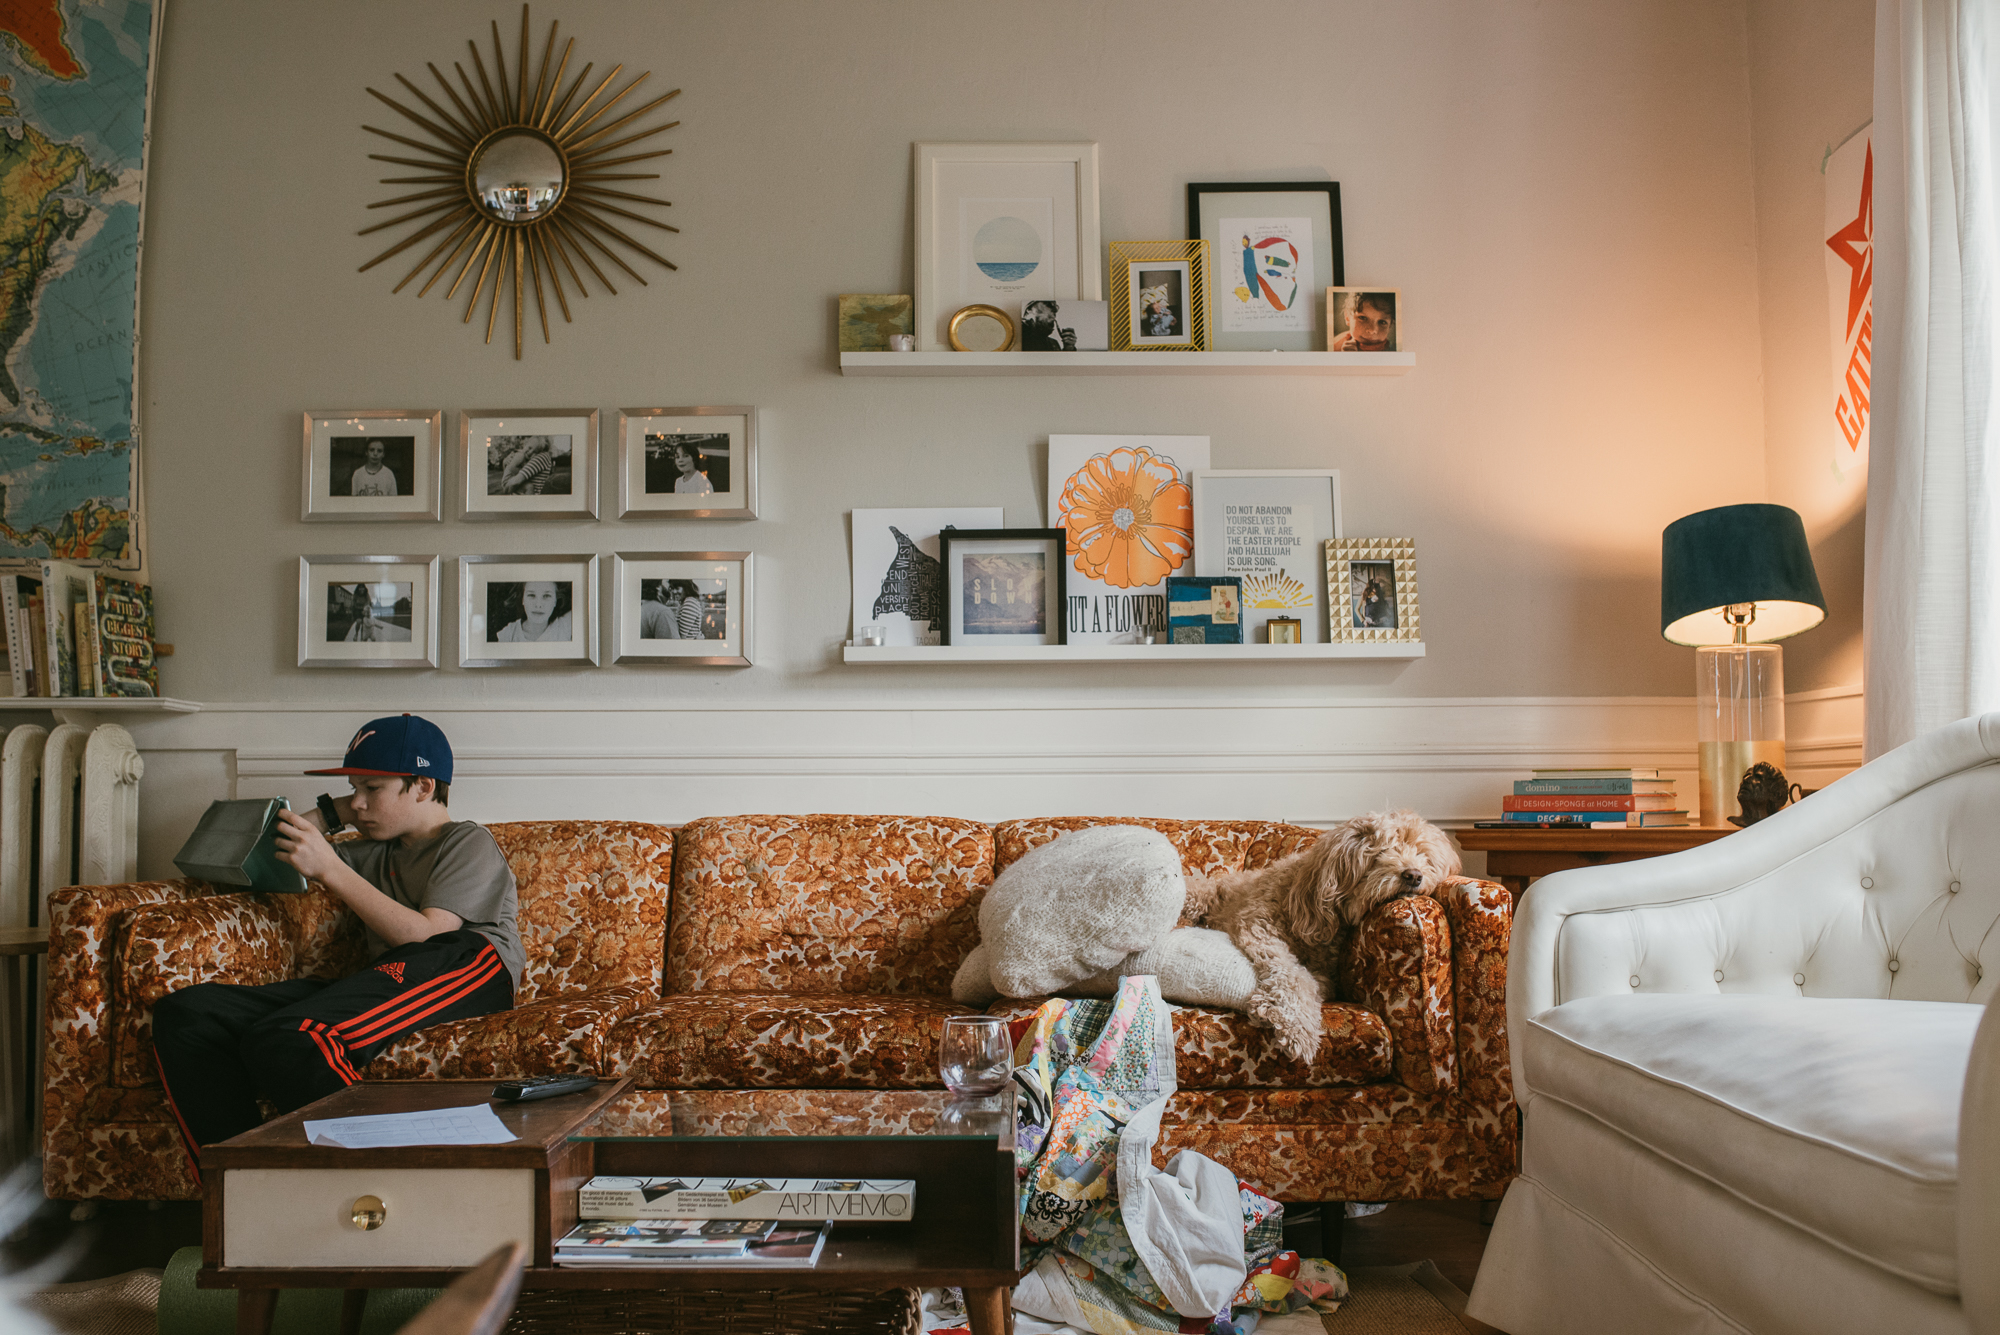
[1196, 966]
[1078, 905]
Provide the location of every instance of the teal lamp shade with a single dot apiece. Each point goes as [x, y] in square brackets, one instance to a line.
[1732, 555]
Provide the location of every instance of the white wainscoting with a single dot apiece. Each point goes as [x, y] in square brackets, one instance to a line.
[1314, 762]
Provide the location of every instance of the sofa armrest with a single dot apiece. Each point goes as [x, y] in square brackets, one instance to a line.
[1979, 1179]
[1482, 926]
[1399, 965]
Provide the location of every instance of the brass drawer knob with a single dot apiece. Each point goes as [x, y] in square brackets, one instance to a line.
[370, 1213]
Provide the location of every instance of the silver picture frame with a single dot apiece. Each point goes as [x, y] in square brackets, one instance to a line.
[319, 619]
[478, 642]
[336, 452]
[726, 433]
[737, 645]
[478, 431]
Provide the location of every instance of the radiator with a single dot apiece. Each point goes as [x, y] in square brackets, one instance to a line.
[69, 815]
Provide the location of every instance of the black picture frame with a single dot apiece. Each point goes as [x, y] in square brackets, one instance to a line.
[1221, 340]
[1058, 536]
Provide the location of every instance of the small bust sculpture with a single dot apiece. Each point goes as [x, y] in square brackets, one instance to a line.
[1762, 792]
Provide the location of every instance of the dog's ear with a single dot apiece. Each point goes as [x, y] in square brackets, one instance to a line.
[1339, 857]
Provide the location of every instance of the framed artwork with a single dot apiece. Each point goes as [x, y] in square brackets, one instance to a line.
[1269, 527]
[898, 583]
[529, 463]
[1003, 585]
[527, 609]
[1126, 503]
[1159, 296]
[368, 611]
[1205, 609]
[1373, 582]
[372, 464]
[687, 463]
[1002, 225]
[1364, 319]
[689, 608]
[868, 321]
[1276, 247]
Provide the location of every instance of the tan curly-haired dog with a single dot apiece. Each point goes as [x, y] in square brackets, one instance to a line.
[1292, 917]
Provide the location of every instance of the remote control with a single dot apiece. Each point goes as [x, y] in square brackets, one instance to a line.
[541, 1087]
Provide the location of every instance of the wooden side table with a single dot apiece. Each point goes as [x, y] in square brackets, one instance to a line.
[1515, 857]
[20, 1042]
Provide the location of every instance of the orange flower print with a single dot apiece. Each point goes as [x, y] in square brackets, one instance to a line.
[1130, 518]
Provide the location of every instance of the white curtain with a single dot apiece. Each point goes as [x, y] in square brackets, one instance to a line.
[1932, 622]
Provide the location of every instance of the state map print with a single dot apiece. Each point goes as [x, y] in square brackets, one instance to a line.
[73, 84]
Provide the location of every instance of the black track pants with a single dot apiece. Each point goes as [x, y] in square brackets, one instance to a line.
[221, 1045]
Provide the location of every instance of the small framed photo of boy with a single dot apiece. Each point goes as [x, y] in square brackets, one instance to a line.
[372, 464]
[368, 611]
[527, 609]
[538, 463]
[1364, 319]
[1373, 583]
[1004, 586]
[687, 608]
[1159, 296]
[687, 463]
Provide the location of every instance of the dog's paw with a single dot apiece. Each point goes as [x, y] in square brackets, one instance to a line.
[1297, 1034]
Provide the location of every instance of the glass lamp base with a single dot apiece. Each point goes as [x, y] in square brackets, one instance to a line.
[1722, 767]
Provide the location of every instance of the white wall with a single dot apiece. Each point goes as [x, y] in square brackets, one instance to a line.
[1559, 188]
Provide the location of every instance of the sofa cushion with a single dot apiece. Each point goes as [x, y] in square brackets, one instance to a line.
[1206, 846]
[881, 905]
[593, 903]
[1838, 1115]
[551, 1037]
[724, 1040]
[1219, 1049]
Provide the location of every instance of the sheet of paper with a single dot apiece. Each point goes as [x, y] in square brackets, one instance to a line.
[474, 1125]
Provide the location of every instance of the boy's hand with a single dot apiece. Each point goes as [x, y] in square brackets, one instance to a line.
[302, 845]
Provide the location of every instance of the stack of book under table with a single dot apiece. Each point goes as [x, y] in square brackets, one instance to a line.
[727, 1222]
[1597, 799]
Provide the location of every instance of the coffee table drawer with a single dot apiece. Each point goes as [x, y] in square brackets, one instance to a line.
[303, 1219]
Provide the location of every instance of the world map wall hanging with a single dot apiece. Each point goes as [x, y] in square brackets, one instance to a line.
[74, 87]
[524, 182]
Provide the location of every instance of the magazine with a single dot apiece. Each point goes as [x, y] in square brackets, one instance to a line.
[794, 1248]
[792, 1200]
[657, 1238]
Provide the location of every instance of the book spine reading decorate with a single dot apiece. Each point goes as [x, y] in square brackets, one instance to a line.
[1588, 802]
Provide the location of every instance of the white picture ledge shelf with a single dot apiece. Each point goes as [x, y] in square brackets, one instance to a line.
[85, 710]
[1054, 654]
[1126, 363]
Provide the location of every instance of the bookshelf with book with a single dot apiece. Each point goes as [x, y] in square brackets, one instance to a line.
[1618, 798]
[74, 633]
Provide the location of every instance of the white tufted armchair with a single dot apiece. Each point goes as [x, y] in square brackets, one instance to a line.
[1757, 1090]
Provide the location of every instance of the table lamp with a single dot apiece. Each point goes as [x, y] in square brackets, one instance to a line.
[1732, 580]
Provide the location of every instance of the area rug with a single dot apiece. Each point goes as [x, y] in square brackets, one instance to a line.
[126, 1304]
[1411, 1299]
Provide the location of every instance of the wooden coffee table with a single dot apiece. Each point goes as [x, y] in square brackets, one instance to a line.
[279, 1213]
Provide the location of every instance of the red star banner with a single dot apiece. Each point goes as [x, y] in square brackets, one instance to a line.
[1850, 278]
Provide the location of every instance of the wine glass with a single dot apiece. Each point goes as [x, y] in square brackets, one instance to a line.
[975, 1057]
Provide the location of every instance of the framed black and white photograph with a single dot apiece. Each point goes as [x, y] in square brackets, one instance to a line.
[368, 611]
[1003, 586]
[1002, 225]
[688, 463]
[1373, 583]
[528, 463]
[372, 464]
[1276, 247]
[1065, 326]
[688, 608]
[1269, 527]
[515, 610]
[1364, 319]
[1159, 296]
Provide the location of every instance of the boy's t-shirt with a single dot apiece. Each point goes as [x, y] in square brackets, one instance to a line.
[461, 871]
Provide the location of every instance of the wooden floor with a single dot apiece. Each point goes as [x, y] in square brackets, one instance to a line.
[129, 1235]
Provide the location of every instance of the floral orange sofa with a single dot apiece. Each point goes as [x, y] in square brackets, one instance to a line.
[592, 918]
[806, 954]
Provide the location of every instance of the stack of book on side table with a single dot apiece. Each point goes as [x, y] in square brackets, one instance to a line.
[1591, 799]
[734, 1221]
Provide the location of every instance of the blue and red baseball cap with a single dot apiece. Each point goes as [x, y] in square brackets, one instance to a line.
[399, 746]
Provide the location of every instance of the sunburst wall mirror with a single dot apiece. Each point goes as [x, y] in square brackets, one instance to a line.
[524, 182]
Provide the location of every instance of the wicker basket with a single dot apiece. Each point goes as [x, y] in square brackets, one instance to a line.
[712, 1312]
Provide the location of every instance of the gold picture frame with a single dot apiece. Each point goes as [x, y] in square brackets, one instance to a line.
[980, 311]
[1371, 586]
[1159, 296]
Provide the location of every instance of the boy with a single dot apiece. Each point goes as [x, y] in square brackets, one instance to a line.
[438, 902]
